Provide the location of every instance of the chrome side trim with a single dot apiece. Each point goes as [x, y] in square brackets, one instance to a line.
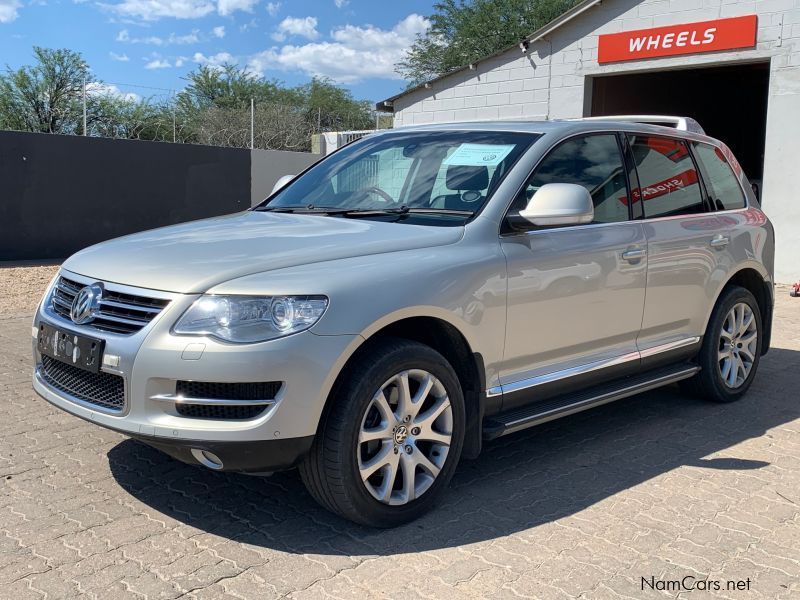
[524, 384]
[669, 346]
[557, 375]
[595, 401]
[175, 399]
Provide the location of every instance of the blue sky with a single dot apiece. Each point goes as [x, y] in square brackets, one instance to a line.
[135, 44]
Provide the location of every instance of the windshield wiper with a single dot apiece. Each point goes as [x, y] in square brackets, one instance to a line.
[303, 210]
[363, 212]
[404, 210]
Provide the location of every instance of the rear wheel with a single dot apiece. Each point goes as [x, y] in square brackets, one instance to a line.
[392, 438]
[731, 347]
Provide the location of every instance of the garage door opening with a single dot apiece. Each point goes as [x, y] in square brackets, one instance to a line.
[729, 102]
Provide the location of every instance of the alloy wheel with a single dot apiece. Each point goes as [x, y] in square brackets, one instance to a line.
[405, 436]
[738, 344]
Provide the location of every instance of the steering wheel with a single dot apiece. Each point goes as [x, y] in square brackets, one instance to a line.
[378, 192]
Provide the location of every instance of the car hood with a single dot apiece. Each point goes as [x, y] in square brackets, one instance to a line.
[193, 257]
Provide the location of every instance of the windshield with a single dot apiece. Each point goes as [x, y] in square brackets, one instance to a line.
[434, 176]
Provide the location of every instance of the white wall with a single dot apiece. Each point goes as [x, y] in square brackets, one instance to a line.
[548, 82]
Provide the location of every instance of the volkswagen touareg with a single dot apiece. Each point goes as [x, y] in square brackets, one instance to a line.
[415, 294]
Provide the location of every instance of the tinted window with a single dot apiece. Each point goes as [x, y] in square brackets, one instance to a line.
[723, 187]
[668, 180]
[595, 163]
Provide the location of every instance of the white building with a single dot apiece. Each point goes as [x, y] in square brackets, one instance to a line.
[739, 77]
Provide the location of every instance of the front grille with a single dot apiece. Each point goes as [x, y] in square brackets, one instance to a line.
[264, 390]
[101, 389]
[119, 312]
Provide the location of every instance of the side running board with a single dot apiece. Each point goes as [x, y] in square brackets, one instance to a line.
[561, 406]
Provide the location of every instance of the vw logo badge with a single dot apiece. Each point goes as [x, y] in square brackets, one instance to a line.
[86, 304]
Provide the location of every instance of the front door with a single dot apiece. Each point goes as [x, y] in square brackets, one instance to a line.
[575, 294]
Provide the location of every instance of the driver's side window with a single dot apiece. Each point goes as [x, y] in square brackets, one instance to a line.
[593, 161]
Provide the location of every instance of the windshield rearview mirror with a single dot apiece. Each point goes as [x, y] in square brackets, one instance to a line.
[281, 182]
[559, 204]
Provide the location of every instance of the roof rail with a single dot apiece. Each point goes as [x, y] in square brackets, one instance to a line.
[681, 123]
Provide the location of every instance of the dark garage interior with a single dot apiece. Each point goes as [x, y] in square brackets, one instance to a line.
[729, 102]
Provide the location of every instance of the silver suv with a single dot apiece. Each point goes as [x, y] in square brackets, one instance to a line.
[413, 295]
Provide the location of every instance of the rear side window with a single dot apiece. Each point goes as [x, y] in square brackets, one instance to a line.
[723, 187]
[668, 179]
[593, 161]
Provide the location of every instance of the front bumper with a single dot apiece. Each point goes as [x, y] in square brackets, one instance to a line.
[153, 360]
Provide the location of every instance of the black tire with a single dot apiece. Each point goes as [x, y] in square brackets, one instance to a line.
[709, 383]
[330, 471]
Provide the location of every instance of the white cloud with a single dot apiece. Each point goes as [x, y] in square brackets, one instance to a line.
[219, 32]
[180, 61]
[215, 60]
[227, 7]
[189, 38]
[158, 63]
[119, 57]
[341, 3]
[97, 88]
[251, 24]
[273, 8]
[152, 10]
[8, 10]
[153, 40]
[354, 54]
[302, 27]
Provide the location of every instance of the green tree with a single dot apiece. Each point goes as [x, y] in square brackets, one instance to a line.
[115, 116]
[44, 97]
[332, 108]
[464, 31]
[214, 108]
[225, 87]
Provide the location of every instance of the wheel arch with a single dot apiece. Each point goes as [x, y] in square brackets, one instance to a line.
[447, 339]
[754, 279]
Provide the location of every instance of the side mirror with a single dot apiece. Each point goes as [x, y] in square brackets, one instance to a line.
[281, 182]
[559, 204]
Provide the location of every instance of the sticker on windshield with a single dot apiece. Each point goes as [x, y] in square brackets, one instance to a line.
[476, 155]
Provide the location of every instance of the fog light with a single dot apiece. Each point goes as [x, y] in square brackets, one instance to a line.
[207, 459]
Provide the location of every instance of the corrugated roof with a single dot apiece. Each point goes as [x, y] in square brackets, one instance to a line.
[386, 105]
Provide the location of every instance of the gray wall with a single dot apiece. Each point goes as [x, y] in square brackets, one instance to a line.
[267, 166]
[59, 194]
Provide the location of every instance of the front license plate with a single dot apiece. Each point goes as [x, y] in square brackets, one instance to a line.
[78, 350]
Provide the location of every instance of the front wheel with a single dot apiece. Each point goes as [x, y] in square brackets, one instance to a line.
[392, 437]
[731, 347]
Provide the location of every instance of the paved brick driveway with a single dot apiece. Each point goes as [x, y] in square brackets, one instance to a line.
[658, 486]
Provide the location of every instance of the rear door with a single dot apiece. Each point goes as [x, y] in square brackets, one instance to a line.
[687, 247]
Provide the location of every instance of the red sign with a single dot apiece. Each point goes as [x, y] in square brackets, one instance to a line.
[687, 177]
[706, 36]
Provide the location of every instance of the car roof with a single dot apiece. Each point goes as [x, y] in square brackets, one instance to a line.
[557, 128]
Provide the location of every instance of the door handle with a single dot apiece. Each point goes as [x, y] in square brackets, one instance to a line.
[634, 255]
[719, 241]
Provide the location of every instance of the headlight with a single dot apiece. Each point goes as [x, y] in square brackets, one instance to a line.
[247, 319]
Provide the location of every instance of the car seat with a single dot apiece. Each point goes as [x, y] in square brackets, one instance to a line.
[468, 182]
